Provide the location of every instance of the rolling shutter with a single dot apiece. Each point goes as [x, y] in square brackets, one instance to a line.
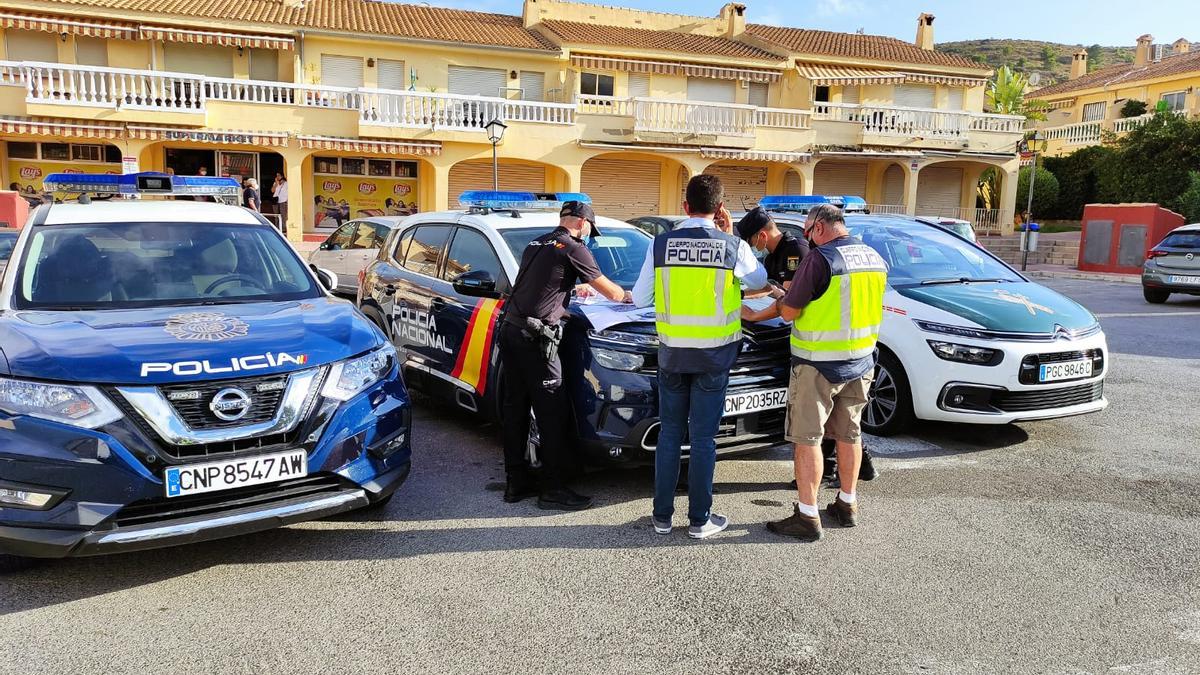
[954, 100]
[914, 96]
[264, 65]
[391, 74]
[792, 184]
[712, 91]
[26, 45]
[851, 94]
[639, 85]
[91, 51]
[939, 191]
[893, 185]
[533, 85]
[477, 81]
[744, 186]
[840, 178]
[623, 188]
[341, 71]
[209, 60]
[477, 175]
[758, 94]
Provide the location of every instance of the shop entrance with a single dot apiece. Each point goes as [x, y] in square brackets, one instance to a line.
[187, 162]
[236, 164]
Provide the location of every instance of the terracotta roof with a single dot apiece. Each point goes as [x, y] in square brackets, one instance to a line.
[853, 45]
[1125, 72]
[358, 16]
[659, 40]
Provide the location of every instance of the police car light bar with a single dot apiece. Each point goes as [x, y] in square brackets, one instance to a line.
[527, 201]
[145, 183]
[804, 203]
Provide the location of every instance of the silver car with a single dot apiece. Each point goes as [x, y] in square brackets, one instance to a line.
[1173, 266]
[352, 247]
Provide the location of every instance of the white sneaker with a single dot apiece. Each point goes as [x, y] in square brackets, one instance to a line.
[661, 526]
[716, 523]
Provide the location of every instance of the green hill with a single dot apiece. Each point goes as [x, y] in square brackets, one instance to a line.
[1050, 60]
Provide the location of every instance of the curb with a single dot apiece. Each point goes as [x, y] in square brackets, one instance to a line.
[1085, 276]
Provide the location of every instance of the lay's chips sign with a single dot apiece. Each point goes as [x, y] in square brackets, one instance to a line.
[342, 198]
[28, 174]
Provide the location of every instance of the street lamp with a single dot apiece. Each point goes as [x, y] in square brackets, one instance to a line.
[495, 133]
[1027, 238]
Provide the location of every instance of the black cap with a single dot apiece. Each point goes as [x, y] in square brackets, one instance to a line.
[752, 222]
[580, 209]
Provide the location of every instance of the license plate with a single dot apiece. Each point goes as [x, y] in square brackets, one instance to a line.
[755, 401]
[213, 476]
[1069, 370]
[1178, 279]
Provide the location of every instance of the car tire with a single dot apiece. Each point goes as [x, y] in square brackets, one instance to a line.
[889, 408]
[1155, 296]
[376, 318]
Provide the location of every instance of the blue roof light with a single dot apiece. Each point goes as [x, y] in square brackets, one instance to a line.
[528, 201]
[145, 183]
[804, 203]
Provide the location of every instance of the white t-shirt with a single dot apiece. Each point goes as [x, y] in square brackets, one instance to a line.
[280, 193]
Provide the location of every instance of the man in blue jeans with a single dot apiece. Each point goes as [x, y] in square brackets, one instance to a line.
[693, 276]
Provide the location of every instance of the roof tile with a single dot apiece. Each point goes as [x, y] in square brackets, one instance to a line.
[854, 45]
[1179, 64]
[573, 32]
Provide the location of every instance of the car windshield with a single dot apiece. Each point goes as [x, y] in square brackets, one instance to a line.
[7, 240]
[120, 265]
[618, 252]
[923, 254]
[1182, 240]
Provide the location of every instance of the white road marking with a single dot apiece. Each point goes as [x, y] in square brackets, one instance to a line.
[1135, 315]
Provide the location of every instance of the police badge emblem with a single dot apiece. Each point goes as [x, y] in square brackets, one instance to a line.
[205, 326]
[793, 262]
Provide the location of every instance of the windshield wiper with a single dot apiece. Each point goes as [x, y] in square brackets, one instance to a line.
[961, 280]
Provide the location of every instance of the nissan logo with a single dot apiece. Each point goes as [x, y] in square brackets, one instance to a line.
[230, 404]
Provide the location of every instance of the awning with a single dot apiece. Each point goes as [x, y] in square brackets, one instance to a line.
[244, 40]
[58, 24]
[60, 128]
[371, 146]
[822, 75]
[946, 80]
[755, 155]
[674, 68]
[221, 136]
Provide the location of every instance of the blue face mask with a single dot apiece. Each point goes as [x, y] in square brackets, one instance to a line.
[761, 255]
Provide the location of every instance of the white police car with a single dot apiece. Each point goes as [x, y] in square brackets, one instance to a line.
[437, 290]
[965, 338]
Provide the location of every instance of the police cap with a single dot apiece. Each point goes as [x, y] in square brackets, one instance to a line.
[752, 222]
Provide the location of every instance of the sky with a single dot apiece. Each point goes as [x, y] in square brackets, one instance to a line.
[1105, 22]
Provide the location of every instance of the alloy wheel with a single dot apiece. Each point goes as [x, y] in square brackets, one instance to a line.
[883, 399]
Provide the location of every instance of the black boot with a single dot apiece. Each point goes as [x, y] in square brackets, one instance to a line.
[829, 475]
[518, 487]
[867, 470]
[563, 499]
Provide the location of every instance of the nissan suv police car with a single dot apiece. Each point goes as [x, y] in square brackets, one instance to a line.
[965, 338]
[438, 287]
[172, 372]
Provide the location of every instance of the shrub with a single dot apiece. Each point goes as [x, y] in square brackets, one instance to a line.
[1045, 190]
[1078, 177]
[1189, 202]
[1133, 108]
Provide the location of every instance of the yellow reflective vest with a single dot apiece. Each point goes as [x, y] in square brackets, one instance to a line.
[697, 299]
[843, 323]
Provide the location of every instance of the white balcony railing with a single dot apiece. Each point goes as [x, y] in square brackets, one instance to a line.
[586, 104]
[886, 120]
[282, 93]
[100, 87]
[783, 118]
[692, 117]
[1128, 124]
[1080, 133]
[454, 112]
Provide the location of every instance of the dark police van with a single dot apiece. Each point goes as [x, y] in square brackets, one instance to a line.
[438, 287]
[171, 372]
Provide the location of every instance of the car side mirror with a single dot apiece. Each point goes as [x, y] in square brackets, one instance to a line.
[327, 278]
[476, 283]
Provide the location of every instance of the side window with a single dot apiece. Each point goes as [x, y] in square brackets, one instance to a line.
[470, 251]
[363, 237]
[340, 239]
[425, 249]
[402, 244]
[381, 235]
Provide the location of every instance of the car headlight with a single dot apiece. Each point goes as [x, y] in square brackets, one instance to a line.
[348, 379]
[625, 338]
[980, 356]
[616, 360]
[959, 331]
[80, 406]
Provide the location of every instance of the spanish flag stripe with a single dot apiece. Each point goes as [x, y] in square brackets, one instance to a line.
[472, 363]
[466, 342]
[487, 347]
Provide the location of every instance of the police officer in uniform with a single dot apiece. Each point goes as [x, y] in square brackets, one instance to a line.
[551, 267]
[780, 251]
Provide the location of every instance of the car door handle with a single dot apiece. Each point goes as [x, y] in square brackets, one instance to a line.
[389, 290]
[438, 302]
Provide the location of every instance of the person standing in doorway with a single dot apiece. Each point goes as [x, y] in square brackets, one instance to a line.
[251, 198]
[692, 276]
[280, 193]
[835, 304]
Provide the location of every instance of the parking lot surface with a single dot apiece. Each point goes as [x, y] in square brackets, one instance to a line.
[1064, 546]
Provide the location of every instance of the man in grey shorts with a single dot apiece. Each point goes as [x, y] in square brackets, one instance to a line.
[835, 304]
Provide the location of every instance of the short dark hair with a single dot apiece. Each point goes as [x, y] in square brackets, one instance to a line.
[827, 212]
[705, 193]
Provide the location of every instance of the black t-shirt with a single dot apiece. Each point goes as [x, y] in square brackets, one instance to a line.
[783, 262]
[251, 193]
[551, 266]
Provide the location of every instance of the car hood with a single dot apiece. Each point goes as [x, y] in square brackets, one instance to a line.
[180, 344]
[1023, 307]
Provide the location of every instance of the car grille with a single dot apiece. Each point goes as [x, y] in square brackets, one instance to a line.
[1024, 401]
[191, 401]
[764, 350]
[160, 509]
[1030, 364]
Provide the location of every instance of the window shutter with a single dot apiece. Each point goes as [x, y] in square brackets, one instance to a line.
[939, 191]
[391, 74]
[639, 85]
[758, 94]
[477, 81]
[264, 65]
[477, 175]
[533, 85]
[915, 96]
[840, 178]
[744, 186]
[341, 71]
[622, 188]
[850, 94]
[207, 60]
[24, 45]
[90, 51]
[712, 91]
[955, 99]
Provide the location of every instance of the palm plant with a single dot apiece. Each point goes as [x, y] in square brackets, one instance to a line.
[1006, 96]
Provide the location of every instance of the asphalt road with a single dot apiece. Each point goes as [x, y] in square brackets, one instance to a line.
[1063, 547]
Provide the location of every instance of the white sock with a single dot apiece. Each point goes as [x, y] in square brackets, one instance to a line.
[848, 498]
[809, 510]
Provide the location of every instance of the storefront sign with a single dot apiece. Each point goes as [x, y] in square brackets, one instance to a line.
[129, 164]
[208, 137]
[344, 197]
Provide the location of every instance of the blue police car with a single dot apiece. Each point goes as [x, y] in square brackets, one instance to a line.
[437, 289]
[172, 372]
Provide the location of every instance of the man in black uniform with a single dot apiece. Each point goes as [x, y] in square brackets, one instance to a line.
[551, 266]
[783, 251]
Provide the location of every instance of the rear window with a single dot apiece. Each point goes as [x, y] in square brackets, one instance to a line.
[1182, 240]
[7, 240]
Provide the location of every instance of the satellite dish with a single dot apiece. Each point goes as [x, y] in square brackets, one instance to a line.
[1035, 78]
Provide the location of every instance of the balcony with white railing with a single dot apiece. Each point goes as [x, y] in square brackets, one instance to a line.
[925, 127]
[683, 121]
[453, 112]
[1080, 133]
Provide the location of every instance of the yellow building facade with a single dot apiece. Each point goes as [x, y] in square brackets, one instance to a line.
[373, 108]
[1087, 107]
